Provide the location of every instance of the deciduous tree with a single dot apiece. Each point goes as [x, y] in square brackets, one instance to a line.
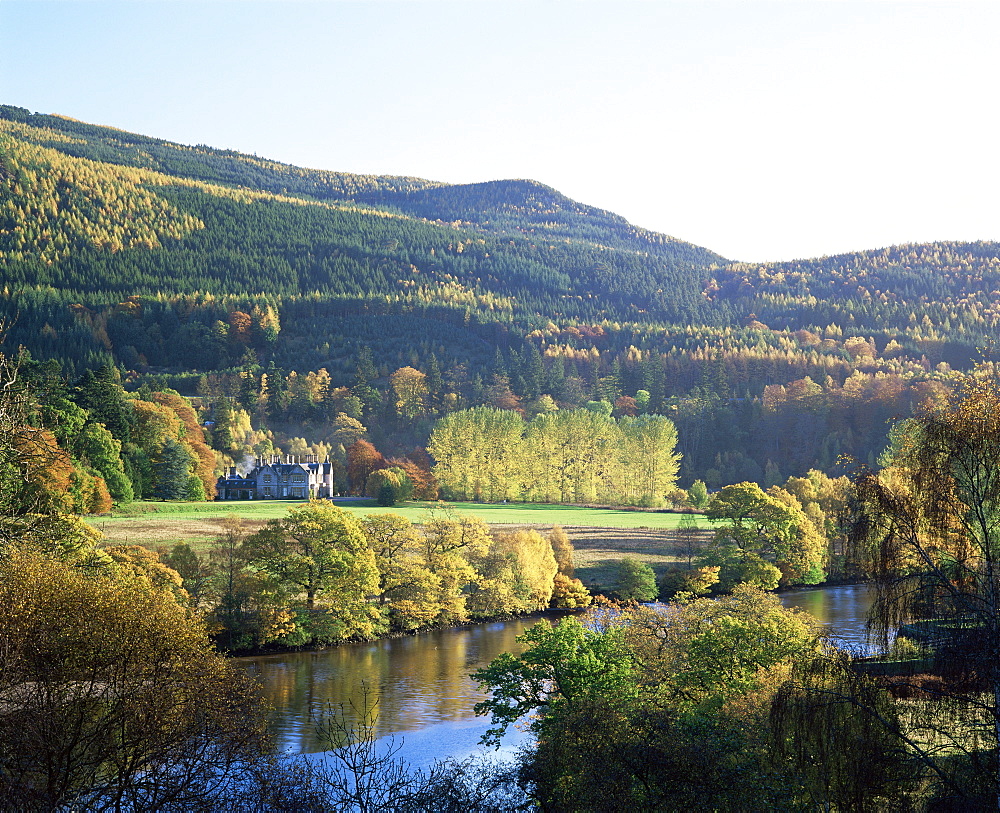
[928, 529]
[112, 696]
[635, 581]
[320, 551]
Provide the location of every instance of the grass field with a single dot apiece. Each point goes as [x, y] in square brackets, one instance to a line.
[601, 536]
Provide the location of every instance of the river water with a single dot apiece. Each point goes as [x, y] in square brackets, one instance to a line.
[422, 684]
[843, 609]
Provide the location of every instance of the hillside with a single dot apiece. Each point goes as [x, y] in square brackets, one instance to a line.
[202, 267]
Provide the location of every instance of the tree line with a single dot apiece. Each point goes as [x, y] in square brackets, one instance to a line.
[581, 455]
[319, 575]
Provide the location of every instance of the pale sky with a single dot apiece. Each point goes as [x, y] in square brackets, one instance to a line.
[760, 130]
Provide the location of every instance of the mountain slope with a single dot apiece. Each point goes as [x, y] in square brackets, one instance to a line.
[92, 215]
[222, 273]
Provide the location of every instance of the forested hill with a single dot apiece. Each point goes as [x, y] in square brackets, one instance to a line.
[940, 291]
[202, 268]
[112, 146]
[92, 215]
[521, 206]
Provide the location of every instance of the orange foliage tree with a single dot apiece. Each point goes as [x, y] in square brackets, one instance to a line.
[362, 459]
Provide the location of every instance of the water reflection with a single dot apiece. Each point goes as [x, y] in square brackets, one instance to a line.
[420, 681]
[843, 609]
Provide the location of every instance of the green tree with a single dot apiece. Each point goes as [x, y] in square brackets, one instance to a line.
[635, 580]
[95, 445]
[223, 438]
[172, 470]
[102, 395]
[698, 495]
[759, 533]
[320, 551]
[250, 607]
[655, 709]
[195, 570]
[560, 666]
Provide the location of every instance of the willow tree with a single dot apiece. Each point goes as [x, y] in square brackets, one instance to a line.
[928, 531]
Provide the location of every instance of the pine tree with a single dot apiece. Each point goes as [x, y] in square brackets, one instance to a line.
[171, 470]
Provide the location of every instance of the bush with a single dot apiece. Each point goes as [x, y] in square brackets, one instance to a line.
[636, 581]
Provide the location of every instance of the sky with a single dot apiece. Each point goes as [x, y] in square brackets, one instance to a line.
[765, 131]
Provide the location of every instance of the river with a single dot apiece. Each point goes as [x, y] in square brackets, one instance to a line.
[425, 695]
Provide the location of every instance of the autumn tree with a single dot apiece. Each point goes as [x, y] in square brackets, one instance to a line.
[410, 388]
[35, 472]
[392, 482]
[408, 589]
[515, 574]
[320, 551]
[362, 459]
[478, 453]
[113, 697]
[562, 549]
[417, 466]
[449, 545]
[651, 462]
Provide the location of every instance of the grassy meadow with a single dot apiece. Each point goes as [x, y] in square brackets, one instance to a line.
[601, 536]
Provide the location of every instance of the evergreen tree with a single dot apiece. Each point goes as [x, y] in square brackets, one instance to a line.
[172, 470]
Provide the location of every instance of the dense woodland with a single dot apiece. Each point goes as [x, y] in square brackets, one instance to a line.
[228, 276]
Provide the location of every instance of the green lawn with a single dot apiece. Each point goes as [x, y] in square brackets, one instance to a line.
[417, 512]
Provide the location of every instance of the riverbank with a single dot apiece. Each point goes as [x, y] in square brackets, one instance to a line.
[422, 681]
[552, 614]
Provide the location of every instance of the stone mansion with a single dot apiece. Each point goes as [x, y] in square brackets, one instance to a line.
[279, 477]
